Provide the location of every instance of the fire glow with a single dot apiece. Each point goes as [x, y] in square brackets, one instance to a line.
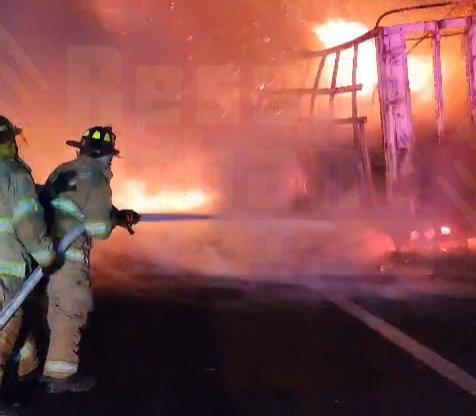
[338, 31]
[445, 230]
[135, 195]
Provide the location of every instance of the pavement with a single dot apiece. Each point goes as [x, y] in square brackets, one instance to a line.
[228, 347]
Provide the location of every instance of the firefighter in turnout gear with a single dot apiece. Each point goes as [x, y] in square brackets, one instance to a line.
[23, 238]
[70, 299]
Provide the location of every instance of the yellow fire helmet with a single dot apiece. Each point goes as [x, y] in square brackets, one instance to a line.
[96, 142]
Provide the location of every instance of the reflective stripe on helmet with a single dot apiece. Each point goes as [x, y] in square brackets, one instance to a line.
[12, 268]
[67, 206]
[24, 208]
[107, 137]
[97, 135]
[98, 228]
[61, 367]
[6, 226]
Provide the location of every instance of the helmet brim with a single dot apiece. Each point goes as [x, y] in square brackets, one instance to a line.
[77, 145]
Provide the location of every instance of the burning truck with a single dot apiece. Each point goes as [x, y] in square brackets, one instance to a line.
[403, 99]
[388, 109]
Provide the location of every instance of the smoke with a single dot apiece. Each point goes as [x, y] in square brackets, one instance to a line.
[224, 144]
[274, 249]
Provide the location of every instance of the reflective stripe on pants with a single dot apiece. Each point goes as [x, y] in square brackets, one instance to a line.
[76, 254]
[60, 369]
[69, 303]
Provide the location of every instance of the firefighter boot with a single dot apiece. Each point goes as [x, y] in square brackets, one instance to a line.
[6, 409]
[76, 383]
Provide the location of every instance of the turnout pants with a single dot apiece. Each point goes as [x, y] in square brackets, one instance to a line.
[69, 303]
[9, 334]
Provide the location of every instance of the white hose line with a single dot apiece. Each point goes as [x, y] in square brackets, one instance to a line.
[30, 283]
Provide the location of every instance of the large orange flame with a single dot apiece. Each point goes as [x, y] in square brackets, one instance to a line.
[338, 31]
[134, 195]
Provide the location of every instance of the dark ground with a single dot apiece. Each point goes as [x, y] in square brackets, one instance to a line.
[265, 350]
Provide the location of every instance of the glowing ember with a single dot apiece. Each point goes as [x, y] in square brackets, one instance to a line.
[414, 235]
[445, 230]
[135, 195]
[471, 243]
[338, 31]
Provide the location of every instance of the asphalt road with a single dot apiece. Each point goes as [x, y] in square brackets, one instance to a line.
[246, 349]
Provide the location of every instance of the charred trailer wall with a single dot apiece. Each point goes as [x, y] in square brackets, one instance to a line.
[395, 108]
[395, 96]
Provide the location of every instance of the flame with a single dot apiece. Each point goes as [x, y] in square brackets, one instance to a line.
[471, 243]
[134, 195]
[420, 75]
[338, 31]
[445, 230]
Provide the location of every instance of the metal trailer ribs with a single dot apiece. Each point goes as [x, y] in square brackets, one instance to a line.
[393, 88]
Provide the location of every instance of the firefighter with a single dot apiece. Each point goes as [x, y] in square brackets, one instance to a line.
[23, 237]
[87, 202]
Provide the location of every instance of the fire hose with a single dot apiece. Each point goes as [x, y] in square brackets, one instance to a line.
[32, 281]
[36, 277]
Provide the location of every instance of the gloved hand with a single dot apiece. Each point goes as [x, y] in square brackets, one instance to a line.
[57, 263]
[126, 218]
